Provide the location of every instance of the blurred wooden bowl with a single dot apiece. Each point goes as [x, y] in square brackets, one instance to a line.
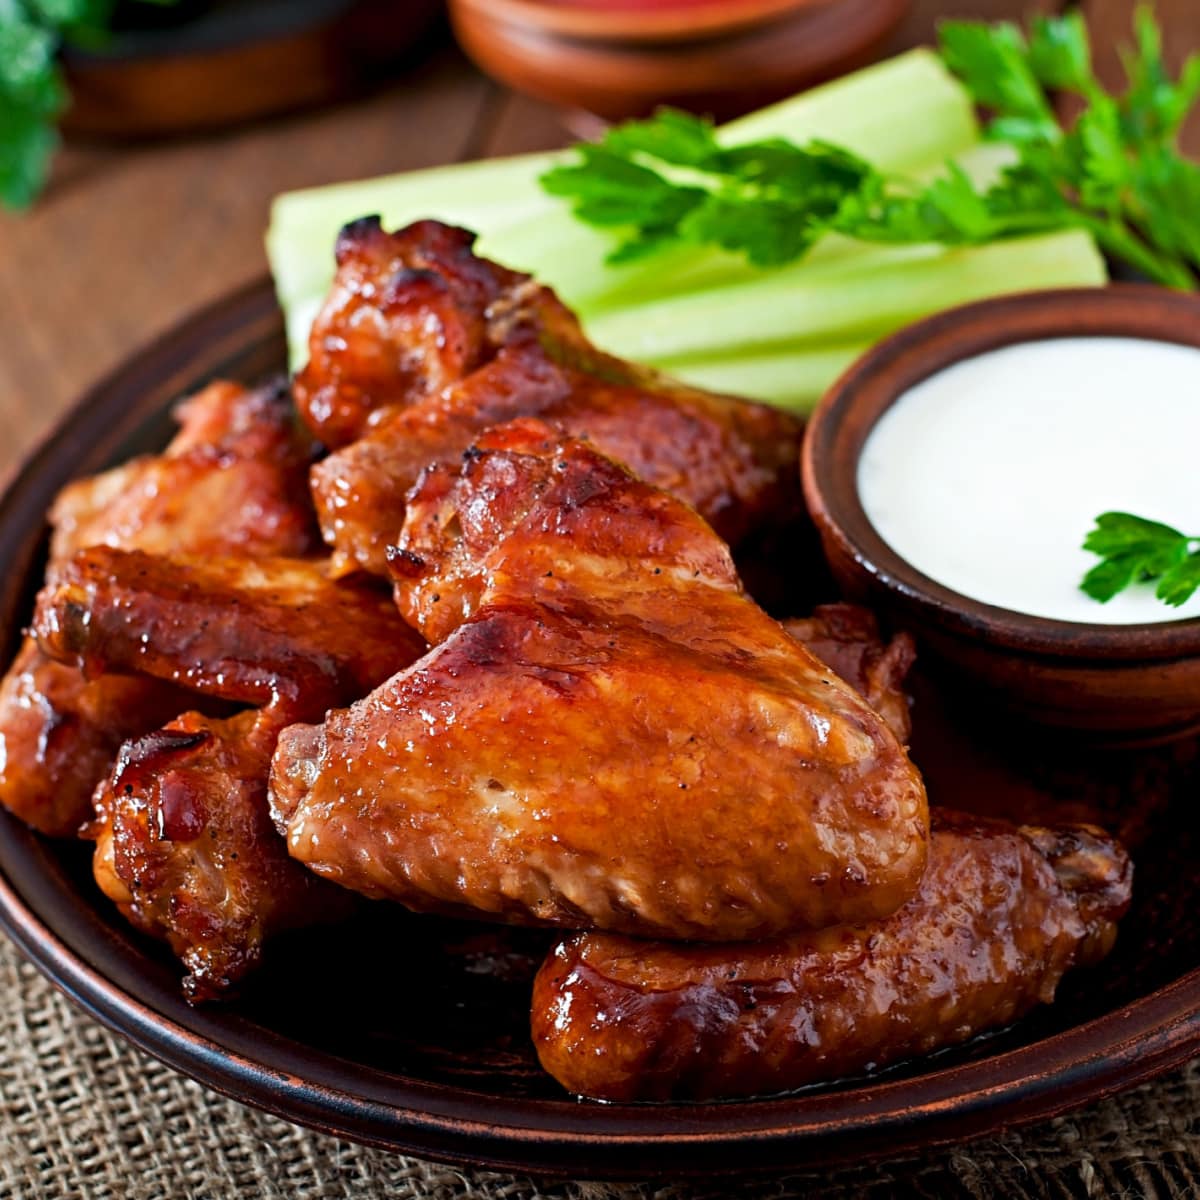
[223, 63]
[619, 59]
[637, 20]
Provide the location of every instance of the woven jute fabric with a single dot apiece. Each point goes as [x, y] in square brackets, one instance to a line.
[84, 1115]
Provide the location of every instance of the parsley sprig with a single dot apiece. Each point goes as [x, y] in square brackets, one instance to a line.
[1134, 549]
[32, 91]
[1115, 172]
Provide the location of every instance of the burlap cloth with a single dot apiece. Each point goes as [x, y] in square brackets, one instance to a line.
[84, 1115]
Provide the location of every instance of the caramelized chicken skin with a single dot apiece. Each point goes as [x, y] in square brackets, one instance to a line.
[407, 315]
[58, 735]
[233, 479]
[186, 849]
[235, 476]
[608, 731]
[1003, 912]
[185, 844]
[492, 346]
[265, 631]
[845, 637]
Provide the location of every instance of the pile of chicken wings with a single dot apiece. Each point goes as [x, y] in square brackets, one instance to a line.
[453, 620]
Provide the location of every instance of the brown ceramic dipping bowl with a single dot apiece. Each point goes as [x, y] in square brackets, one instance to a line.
[622, 58]
[1120, 683]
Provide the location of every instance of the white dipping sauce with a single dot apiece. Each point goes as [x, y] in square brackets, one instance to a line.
[988, 475]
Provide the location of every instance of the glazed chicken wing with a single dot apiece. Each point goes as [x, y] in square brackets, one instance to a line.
[268, 631]
[235, 476]
[233, 479]
[845, 637]
[409, 313]
[185, 844]
[59, 733]
[1003, 912]
[422, 346]
[608, 731]
[186, 849]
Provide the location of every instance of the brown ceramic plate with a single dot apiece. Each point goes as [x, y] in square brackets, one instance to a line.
[412, 1033]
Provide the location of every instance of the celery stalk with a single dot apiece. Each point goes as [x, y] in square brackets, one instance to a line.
[794, 379]
[835, 301]
[687, 268]
[903, 114]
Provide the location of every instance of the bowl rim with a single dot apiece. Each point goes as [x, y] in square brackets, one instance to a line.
[843, 420]
[681, 21]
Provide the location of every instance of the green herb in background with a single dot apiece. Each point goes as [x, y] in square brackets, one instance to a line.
[1116, 173]
[1135, 550]
[32, 91]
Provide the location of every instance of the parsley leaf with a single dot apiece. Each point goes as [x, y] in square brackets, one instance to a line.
[32, 91]
[994, 62]
[1116, 172]
[1134, 549]
[667, 180]
[1060, 54]
[27, 143]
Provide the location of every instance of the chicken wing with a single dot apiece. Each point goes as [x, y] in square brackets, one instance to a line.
[609, 733]
[1003, 912]
[845, 637]
[185, 844]
[269, 631]
[422, 346]
[186, 849]
[58, 735]
[235, 476]
[409, 313]
[233, 479]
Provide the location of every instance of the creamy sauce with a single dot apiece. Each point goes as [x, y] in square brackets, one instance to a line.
[988, 475]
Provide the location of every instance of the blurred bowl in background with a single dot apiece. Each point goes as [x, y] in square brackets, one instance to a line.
[203, 65]
[622, 58]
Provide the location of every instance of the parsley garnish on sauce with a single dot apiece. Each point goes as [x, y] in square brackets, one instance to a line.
[1134, 550]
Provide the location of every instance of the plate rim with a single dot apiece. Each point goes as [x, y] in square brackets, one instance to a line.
[552, 1137]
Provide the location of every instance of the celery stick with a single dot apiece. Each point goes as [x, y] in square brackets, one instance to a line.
[687, 268]
[903, 114]
[792, 379]
[906, 115]
[869, 112]
[835, 301]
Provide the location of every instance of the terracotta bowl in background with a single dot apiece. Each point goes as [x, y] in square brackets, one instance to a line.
[205, 66]
[618, 58]
[1125, 682]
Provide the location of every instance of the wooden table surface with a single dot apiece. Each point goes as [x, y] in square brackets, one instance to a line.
[127, 241]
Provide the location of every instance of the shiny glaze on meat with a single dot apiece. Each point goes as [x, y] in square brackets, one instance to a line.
[184, 840]
[1002, 914]
[490, 345]
[407, 315]
[845, 637]
[265, 631]
[233, 479]
[234, 476]
[58, 735]
[186, 849]
[608, 731]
